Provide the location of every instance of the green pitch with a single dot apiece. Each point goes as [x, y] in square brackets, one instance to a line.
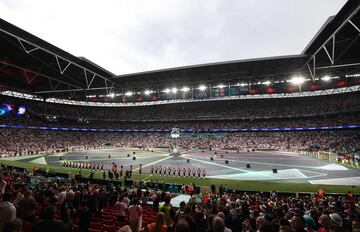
[205, 183]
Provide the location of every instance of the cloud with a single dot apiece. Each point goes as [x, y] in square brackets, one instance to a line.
[126, 36]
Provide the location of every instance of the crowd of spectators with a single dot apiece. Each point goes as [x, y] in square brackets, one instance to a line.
[224, 109]
[319, 121]
[69, 205]
[33, 141]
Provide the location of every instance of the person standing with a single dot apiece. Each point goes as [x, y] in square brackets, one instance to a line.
[135, 215]
[7, 210]
[121, 170]
[159, 225]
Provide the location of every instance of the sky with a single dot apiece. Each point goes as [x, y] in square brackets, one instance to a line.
[129, 36]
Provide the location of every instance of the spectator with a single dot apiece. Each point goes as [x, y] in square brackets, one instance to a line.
[337, 222]
[182, 226]
[48, 223]
[27, 207]
[135, 216]
[168, 210]
[122, 207]
[325, 223]
[159, 225]
[218, 224]
[13, 226]
[7, 210]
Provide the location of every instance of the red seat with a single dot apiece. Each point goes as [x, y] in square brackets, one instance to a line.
[95, 220]
[107, 221]
[109, 228]
[95, 225]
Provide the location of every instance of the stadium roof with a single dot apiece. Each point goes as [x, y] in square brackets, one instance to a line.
[244, 70]
[30, 64]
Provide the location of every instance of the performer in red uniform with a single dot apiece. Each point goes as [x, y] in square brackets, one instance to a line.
[204, 173]
[121, 170]
[169, 171]
[199, 172]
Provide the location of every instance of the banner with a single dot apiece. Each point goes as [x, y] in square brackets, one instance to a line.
[201, 94]
[163, 95]
[238, 90]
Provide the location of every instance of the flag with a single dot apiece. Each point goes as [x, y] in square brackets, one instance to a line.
[129, 98]
[219, 92]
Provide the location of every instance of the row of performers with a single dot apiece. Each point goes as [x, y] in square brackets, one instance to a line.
[158, 170]
[155, 170]
[96, 166]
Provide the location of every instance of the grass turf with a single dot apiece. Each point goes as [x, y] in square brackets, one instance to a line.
[206, 183]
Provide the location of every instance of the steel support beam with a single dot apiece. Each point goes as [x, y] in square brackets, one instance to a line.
[70, 90]
[39, 74]
[332, 37]
[36, 47]
[339, 66]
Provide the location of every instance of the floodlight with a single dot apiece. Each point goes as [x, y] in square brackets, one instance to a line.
[174, 90]
[298, 80]
[267, 82]
[221, 86]
[147, 92]
[129, 93]
[112, 95]
[185, 89]
[202, 87]
[326, 78]
[167, 90]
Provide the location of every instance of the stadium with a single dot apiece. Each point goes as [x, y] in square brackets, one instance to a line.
[250, 142]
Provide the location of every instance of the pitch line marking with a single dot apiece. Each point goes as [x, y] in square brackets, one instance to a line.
[220, 165]
[256, 162]
[106, 159]
[155, 162]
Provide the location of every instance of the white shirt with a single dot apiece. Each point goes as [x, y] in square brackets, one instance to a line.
[7, 213]
[135, 216]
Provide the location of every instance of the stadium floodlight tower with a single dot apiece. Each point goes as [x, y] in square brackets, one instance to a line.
[174, 141]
